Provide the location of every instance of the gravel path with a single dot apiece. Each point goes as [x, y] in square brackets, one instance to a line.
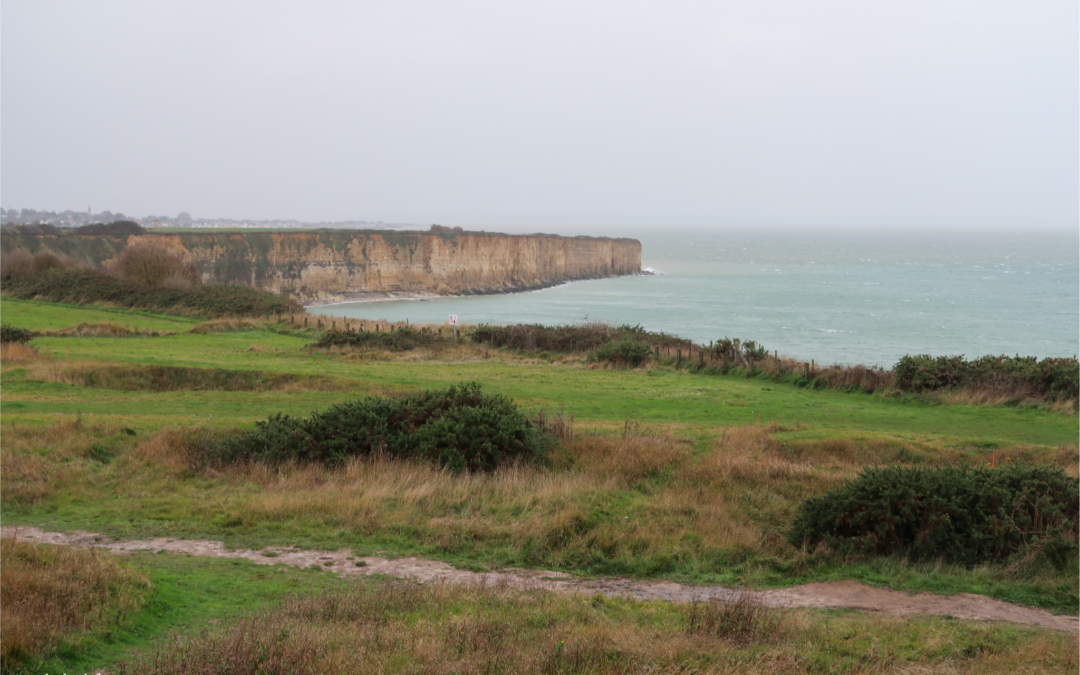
[849, 594]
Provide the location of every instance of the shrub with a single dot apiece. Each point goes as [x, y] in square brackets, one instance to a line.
[115, 228]
[81, 286]
[19, 262]
[151, 264]
[960, 514]
[403, 339]
[625, 352]
[737, 351]
[1054, 378]
[13, 334]
[586, 337]
[460, 428]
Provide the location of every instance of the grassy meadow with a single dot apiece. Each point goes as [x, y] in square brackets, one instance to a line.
[662, 473]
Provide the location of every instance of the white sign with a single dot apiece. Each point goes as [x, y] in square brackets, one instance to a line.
[453, 319]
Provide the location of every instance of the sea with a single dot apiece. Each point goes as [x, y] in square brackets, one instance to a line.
[835, 295]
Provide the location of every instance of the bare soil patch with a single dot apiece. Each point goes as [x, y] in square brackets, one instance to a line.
[836, 594]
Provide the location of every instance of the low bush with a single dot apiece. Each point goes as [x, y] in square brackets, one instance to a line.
[84, 286]
[403, 339]
[13, 334]
[625, 353]
[586, 337]
[151, 264]
[1052, 378]
[960, 514]
[18, 262]
[460, 428]
[115, 228]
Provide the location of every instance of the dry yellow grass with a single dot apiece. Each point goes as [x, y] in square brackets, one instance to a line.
[11, 352]
[400, 627]
[49, 594]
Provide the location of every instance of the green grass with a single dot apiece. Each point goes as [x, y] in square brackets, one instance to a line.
[190, 594]
[130, 497]
[44, 316]
[194, 597]
[654, 396]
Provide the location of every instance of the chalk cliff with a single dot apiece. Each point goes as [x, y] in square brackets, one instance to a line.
[338, 265]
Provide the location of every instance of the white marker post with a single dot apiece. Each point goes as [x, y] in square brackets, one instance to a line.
[453, 322]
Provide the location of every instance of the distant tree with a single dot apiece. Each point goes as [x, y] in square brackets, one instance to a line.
[183, 217]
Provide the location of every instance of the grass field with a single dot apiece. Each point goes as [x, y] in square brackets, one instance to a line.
[670, 474]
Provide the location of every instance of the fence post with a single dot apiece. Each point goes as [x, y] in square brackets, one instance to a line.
[678, 357]
[701, 359]
[305, 322]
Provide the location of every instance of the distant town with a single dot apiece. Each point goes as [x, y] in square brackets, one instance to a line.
[183, 219]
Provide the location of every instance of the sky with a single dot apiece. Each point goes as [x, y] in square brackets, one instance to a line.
[593, 112]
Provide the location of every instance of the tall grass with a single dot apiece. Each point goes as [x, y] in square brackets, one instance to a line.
[52, 594]
[396, 627]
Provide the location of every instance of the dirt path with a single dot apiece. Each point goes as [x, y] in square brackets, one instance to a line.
[849, 594]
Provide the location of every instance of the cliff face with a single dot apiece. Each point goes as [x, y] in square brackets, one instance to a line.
[339, 265]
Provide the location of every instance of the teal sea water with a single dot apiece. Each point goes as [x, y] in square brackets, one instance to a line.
[837, 296]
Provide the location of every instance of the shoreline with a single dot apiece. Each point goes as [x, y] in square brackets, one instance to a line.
[384, 296]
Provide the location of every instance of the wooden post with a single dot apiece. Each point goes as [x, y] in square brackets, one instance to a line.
[750, 362]
[776, 360]
[701, 359]
[806, 371]
[678, 357]
[813, 369]
[333, 324]
[305, 322]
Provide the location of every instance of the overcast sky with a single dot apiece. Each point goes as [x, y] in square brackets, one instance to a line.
[464, 111]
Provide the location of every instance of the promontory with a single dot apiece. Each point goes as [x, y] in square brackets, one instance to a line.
[323, 266]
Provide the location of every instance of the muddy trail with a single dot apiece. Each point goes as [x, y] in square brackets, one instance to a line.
[834, 594]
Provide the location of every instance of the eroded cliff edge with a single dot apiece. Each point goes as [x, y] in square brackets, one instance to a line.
[321, 266]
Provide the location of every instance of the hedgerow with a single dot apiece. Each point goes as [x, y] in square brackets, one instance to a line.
[626, 352]
[13, 334]
[400, 340]
[1053, 378]
[587, 337]
[960, 514]
[84, 286]
[459, 427]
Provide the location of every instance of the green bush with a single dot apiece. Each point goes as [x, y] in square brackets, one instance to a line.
[586, 337]
[960, 514]
[83, 286]
[460, 428]
[13, 334]
[403, 339]
[1054, 378]
[625, 352]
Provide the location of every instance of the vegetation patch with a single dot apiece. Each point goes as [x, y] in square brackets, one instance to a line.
[586, 337]
[16, 335]
[173, 378]
[459, 427]
[625, 353]
[403, 339]
[959, 514]
[51, 595]
[1052, 378]
[400, 627]
[84, 286]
